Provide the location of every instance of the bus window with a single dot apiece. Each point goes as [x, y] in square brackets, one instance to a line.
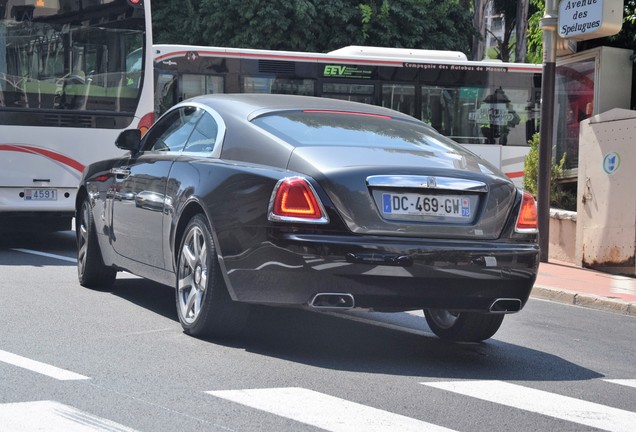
[196, 85]
[473, 115]
[72, 67]
[351, 92]
[166, 93]
[440, 108]
[400, 97]
[305, 87]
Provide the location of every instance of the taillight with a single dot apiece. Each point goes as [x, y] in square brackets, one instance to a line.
[527, 219]
[295, 200]
[145, 123]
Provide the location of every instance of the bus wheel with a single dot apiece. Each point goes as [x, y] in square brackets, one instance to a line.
[463, 326]
[204, 305]
[91, 271]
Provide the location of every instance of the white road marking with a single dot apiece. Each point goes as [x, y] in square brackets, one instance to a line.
[48, 255]
[323, 411]
[625, 382]
[52, 417]
[39, 367]
[542, 402]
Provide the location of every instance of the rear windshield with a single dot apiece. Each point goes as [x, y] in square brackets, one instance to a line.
[333, 128]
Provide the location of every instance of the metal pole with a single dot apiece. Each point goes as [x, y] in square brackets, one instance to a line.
[549, 26]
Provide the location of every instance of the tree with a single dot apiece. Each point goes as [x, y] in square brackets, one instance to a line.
[479, 23]
[521, 46]
[315, 25]
[424, 24]
[535, 34]
[505, 44]
[171, 19]
[513, 45]
[625, 38]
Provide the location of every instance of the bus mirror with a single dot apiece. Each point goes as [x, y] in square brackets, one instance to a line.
[129, 140]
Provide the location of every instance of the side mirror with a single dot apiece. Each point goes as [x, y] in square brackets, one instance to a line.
[130, 139]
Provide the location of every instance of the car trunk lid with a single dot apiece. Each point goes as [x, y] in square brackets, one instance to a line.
[384, 191]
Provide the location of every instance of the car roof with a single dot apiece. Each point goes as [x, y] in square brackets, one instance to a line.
[251, 105]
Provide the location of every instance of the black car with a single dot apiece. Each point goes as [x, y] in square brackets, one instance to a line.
[309, 202]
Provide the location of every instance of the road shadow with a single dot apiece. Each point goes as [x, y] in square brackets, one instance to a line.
[152, 296]
[38, 248]
[333, 342]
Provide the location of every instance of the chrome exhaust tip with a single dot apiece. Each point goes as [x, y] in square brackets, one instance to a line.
[332, 301]
[505, 305]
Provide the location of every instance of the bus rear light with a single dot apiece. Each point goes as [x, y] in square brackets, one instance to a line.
[527, 218]
[295, 200]
[145, 123]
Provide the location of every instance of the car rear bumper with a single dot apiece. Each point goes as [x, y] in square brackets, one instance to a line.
[384, 274]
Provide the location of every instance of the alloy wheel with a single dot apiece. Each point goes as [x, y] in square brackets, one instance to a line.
[193, 275]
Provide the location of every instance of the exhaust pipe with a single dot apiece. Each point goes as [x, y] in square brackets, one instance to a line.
[505, 305]
[332, 301]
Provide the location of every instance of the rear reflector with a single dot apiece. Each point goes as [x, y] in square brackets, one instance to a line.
[527, 219]
[294, 200]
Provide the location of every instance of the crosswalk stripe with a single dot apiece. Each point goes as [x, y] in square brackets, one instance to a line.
[52, 416]
[324, 411]
[625, 382]
[39, 367]
[542, 402]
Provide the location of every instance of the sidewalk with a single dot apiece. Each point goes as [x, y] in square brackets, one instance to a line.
[565, 283]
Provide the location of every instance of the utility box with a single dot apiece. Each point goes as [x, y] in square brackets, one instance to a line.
[606, 209]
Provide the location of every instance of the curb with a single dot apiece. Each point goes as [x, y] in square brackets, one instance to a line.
[591, 301]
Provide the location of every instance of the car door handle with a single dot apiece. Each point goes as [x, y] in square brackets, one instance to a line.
[120, 171]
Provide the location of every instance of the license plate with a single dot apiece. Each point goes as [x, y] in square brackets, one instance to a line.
[40, 194]
[409, 204]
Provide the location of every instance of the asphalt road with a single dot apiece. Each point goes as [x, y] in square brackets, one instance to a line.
[73, 359]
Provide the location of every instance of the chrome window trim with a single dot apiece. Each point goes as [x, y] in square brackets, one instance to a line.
[220, 135]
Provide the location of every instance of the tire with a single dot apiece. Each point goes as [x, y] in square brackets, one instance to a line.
[463, 326]
[204, 305]
[91, 271]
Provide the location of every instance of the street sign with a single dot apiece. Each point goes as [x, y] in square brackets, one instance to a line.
[589, 19]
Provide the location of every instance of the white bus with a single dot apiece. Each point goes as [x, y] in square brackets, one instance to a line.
[73, 74]
[490, 107]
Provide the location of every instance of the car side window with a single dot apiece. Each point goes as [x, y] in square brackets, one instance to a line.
[204, 135]
[173, 130]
